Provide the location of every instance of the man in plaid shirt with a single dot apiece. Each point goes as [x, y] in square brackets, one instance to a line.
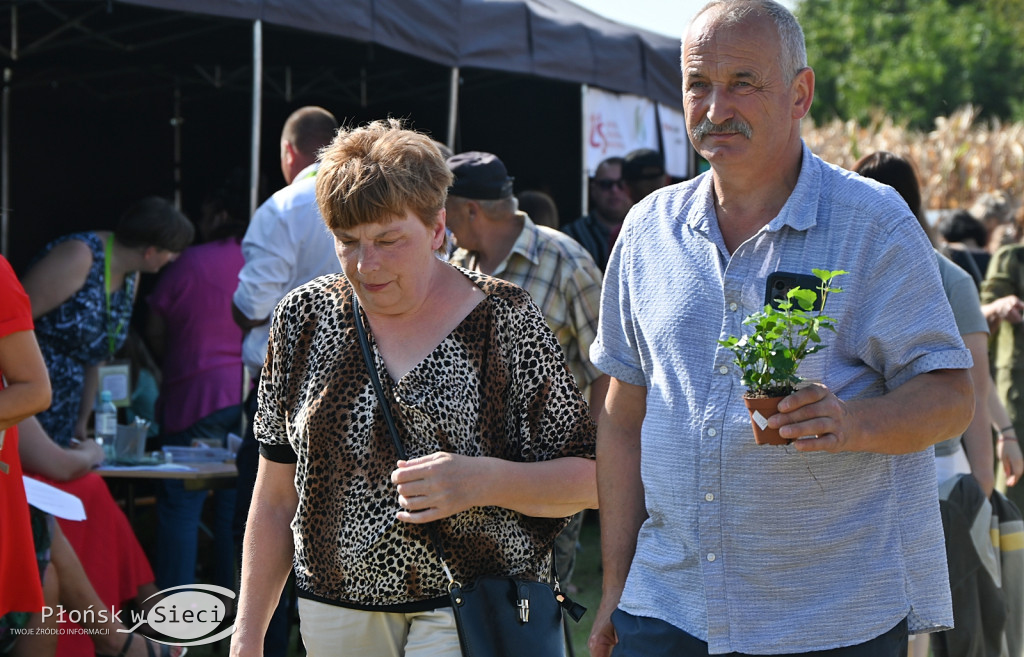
[494, 238]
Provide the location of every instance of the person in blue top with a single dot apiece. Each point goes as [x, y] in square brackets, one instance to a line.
[711, 544]
[82, 288]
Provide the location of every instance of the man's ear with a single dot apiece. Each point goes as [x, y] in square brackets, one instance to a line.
[287, 152]
[803, 92]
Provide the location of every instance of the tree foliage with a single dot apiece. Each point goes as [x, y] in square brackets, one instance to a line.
[914, 60]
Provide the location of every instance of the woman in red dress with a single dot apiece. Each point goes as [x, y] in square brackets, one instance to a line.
[24, 391]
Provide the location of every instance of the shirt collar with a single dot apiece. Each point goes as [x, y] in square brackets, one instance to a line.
[800, 211]
[526, 245]
[308, 172]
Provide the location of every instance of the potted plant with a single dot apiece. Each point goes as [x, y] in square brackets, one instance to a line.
[783, 334]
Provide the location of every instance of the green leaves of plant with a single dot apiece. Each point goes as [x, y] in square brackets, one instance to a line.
[782, 337]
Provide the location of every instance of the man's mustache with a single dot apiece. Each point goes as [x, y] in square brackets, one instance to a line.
[706, 127]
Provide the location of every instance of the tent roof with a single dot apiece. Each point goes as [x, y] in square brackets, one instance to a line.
[549, 38]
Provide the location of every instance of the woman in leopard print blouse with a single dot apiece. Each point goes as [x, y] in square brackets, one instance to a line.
[499, 438]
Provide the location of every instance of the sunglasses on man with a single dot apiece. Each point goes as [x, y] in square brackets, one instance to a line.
[607, 184]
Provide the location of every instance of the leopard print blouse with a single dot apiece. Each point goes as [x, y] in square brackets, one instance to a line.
[496, 386]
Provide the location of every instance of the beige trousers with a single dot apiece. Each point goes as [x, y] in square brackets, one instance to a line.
[328, 630]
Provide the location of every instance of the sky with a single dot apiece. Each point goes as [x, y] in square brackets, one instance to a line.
[667, 17]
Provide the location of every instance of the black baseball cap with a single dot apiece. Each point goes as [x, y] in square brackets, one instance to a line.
[480, 176]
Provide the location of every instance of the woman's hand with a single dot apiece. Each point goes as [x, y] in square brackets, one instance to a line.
[1004, 309]
[1013, 460]
[439, 485]
[88, 450]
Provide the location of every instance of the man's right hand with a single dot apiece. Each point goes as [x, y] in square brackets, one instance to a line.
[602, 634]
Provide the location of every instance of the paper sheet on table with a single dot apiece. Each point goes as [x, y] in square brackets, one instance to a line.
[173, 467]
[53, 500]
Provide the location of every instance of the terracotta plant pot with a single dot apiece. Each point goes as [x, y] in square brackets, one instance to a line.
[762, 408]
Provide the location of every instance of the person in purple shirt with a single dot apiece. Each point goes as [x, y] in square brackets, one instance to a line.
[193, 335]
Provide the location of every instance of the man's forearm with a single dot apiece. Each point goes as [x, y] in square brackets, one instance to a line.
[620, 489]
[926, 409]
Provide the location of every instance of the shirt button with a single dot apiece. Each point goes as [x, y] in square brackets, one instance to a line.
[709, 497]
[733, 306]
[711, 556]
[724, 369]
[712, 432]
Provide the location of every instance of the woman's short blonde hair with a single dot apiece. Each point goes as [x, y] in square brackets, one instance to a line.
[377, 173]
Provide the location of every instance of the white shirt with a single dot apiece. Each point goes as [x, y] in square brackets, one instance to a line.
[287, 244]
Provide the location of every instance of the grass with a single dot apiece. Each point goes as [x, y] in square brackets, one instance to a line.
[587, 579]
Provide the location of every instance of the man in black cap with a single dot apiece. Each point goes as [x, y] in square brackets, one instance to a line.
[609, 203]
[494, 238]
[644, 171]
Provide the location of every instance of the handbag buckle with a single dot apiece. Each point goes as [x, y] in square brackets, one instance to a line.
[524, 610]
[523, 603]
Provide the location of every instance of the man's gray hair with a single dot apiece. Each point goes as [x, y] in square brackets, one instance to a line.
[501, 207]
[793, 51]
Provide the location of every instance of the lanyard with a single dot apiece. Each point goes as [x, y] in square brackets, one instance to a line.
[112, 332]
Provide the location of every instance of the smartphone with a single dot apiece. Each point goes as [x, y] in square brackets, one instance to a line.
[779, 284]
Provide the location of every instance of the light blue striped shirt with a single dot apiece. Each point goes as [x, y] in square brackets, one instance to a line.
[762, 549]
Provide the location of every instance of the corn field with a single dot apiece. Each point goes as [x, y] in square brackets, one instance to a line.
[957, 161]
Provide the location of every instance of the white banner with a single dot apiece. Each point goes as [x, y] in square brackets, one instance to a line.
[676, 141]
[614, 124]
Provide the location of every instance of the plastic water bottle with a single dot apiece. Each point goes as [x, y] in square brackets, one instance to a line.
[106, 424]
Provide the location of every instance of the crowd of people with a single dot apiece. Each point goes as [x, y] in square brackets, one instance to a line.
[517, 371]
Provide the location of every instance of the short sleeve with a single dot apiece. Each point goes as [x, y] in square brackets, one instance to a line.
[898, 328]
[964, 300]
[270, 424]
[615, 350]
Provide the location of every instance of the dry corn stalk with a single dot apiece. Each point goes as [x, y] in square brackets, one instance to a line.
[957, 161]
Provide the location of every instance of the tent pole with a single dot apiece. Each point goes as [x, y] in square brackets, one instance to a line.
[584, 180]
[5, 136]
[257, 94]
[5, 164]
[453, 107]
[176, 122]
[254, 166]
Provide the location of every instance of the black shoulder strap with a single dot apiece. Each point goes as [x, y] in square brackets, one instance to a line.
[364, 344]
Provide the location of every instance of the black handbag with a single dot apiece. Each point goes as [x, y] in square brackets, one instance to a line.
[496, 616]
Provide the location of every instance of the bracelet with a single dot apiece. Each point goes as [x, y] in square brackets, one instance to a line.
[1006, 428]
[1004, 439]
